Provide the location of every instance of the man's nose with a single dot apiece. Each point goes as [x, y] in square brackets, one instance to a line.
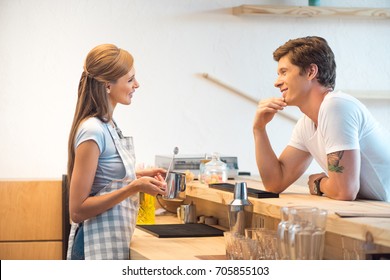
[278, 83]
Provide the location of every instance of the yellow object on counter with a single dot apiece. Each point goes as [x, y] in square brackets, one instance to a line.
[147, 208]
[189, 176]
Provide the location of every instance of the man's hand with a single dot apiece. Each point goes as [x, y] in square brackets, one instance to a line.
[312, 178]
[266, 110]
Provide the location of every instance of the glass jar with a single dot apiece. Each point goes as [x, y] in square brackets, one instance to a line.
[202, 165]
[215, 171]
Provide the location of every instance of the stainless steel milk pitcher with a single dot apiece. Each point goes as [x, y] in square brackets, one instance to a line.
[187, 213]
[176, 186]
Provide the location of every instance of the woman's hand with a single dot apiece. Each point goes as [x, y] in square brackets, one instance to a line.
[150, 172]
[266, 110]
[150, 185]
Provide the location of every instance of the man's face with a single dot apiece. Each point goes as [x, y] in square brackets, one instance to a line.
[292, 84]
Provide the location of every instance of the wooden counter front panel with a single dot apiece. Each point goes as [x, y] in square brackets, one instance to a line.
[51, 250]
[30, 210]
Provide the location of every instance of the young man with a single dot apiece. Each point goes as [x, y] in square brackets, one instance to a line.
[336, 130]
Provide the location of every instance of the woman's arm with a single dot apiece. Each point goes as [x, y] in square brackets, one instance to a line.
[81, 205]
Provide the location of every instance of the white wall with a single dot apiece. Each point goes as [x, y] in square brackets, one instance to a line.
[43, 45]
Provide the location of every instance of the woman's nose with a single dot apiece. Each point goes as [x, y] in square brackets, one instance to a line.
[136, 84]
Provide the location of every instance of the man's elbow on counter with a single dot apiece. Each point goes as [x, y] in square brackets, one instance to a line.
[274, 188]
[346, 196]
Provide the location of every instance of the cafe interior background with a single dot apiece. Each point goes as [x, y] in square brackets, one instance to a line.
[192, 58]
[175, 44]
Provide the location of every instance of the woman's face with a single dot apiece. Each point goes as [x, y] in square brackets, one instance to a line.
[122, 90]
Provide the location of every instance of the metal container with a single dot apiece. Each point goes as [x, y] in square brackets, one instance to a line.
[240, 210]
[176, 186]
[187, 213]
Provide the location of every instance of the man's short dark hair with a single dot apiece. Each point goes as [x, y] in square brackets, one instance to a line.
[305, 51]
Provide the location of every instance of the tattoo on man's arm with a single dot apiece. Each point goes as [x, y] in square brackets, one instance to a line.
[334, 162]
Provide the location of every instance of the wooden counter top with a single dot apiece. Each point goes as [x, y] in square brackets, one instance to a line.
[146, 246]
[376, 230]
[373, 232]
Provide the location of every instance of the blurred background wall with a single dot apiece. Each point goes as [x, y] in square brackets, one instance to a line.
[43, 44]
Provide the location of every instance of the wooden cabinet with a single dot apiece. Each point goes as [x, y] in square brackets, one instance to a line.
[31, 250]
[31, 218]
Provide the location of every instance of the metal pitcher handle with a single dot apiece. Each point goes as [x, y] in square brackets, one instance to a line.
[178, 213]
[184, 185]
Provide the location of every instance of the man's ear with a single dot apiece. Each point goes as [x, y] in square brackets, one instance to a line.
[312, 71]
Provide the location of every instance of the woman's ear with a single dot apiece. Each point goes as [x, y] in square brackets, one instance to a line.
[312, 71]
[108, 88]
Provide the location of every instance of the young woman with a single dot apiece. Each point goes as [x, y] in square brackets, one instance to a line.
[104, 186]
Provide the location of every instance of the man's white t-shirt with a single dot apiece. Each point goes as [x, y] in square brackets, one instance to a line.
[344, 123]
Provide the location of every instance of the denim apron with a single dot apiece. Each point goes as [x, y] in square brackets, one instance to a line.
[107, 236]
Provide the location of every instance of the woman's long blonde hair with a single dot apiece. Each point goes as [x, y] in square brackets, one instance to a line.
[104, 63]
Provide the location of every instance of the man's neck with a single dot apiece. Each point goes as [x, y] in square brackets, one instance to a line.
[311, 107]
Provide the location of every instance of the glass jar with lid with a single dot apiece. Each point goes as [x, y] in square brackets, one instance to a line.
[215, 171]
[203, 161]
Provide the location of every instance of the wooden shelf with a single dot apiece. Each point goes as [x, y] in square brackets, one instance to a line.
[312, 11]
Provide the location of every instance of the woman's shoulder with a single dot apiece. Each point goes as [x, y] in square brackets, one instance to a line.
[92, 124]
[91, 129]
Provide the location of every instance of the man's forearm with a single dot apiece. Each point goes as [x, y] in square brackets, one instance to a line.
[267, 162]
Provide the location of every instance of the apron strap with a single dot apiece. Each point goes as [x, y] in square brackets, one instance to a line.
[118, 130]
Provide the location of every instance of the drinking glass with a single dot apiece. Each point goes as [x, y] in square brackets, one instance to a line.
[282, 233]
[268, 244]
[249, 248]
[233, 246]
